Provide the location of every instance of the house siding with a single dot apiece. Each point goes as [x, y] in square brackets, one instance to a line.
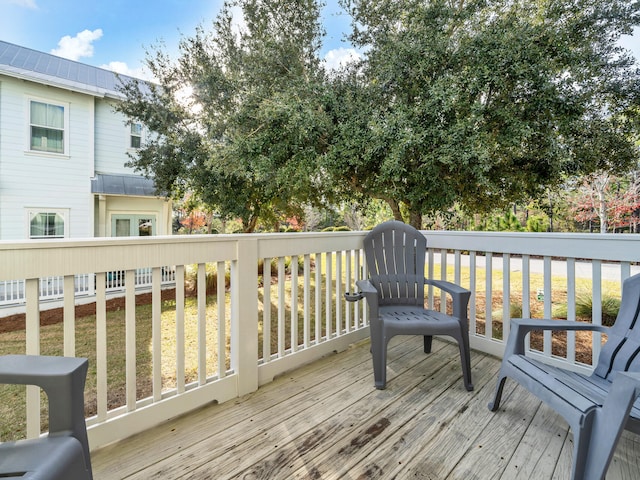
[97, 144]
[27, 177]
[112, 140]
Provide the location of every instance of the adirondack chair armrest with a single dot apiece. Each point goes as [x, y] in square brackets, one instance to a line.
[459, 295]
[369, 292]
[520, 327]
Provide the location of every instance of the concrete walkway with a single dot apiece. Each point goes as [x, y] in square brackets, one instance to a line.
[610, 271]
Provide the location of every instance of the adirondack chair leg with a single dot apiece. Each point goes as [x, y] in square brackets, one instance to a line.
[581, 436]
[427, 343]
[495, 404]
[379, 356]
[465, 360]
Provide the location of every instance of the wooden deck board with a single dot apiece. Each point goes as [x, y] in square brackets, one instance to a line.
[326, 421]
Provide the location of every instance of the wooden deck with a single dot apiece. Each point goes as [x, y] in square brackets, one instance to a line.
[326, 421]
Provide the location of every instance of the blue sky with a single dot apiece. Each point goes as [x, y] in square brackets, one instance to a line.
[114, 34]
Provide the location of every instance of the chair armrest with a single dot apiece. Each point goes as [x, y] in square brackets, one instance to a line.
[62, 379]
[459, 295]
[369, 292]
[520, 327]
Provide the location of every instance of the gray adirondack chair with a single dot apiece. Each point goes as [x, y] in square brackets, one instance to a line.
[395, 256]
[63, 454]
[597, 407]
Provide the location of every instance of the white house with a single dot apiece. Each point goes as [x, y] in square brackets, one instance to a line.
[63, 151]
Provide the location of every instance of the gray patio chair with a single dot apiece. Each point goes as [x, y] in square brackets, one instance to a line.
[395, 256]
[597, 407]
[63, 454]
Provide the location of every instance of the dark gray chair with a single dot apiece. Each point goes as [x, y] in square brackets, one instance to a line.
[395, 255]
[63, 454]
[597, 407]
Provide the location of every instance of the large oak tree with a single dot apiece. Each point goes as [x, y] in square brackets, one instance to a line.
[482, 103]
[237, 120]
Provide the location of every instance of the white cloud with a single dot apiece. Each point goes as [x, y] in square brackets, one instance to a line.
[31, 4]
[124, 69]
[340, 57]
[79, 46]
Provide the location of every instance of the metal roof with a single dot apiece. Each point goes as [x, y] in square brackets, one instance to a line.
[28, 64]
[123, 185]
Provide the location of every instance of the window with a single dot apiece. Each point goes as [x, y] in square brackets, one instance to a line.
[47, 224]
[46, 127]
[136, 135]
[133, 225]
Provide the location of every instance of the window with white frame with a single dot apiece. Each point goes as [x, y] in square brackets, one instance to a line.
[47, 223]
[47, 127]
[136, 135]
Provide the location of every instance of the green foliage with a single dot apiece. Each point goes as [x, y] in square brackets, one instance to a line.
[456, 107]
[508, 223]
[239, 117]
[536, 224]
[610, 308]
[481, 103]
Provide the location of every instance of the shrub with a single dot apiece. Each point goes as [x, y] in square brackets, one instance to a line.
[610, 308]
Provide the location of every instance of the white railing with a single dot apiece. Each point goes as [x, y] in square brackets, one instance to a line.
[256, 324]
[501, 264]
[12, 292]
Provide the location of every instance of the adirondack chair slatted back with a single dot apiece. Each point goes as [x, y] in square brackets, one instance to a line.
[621, 352]
[395, 254]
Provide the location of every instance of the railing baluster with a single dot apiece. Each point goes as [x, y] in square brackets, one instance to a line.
[328, 294]
[266, 310]
[202, 323]
[347, 287]
[101, 346]
[472, 288]
[571, 308]
[488, 308]
[130, 339]
[69, 316]
[526, 294]
[32, 297]
[221, 319]
[307, 301]
[294, 303]
[281, 307]
[339, 299]
[506, 294]
[596, 305]
[156, 333]
[318, 298]
[180, 329]
[547, 304]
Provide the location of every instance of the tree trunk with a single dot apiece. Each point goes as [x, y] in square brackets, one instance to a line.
[415, 219]
[602, 206]
[395, 209]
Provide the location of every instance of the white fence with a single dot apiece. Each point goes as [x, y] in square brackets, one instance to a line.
[12, 292]
[197, 349]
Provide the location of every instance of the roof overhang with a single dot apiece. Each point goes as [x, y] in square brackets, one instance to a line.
[127, 185]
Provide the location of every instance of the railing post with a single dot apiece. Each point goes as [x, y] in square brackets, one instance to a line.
[244, 315]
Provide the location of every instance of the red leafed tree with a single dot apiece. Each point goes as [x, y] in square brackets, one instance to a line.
[613, 202]
[194, 221]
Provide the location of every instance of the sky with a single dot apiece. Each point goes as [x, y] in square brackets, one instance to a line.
[114, 34]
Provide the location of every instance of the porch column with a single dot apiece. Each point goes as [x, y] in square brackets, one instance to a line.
[244, 315]
[102, 215]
